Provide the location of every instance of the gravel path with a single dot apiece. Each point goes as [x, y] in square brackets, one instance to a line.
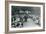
[30, 23]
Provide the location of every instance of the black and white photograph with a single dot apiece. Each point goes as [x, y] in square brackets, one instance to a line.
[22, 16]
[25, 17]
